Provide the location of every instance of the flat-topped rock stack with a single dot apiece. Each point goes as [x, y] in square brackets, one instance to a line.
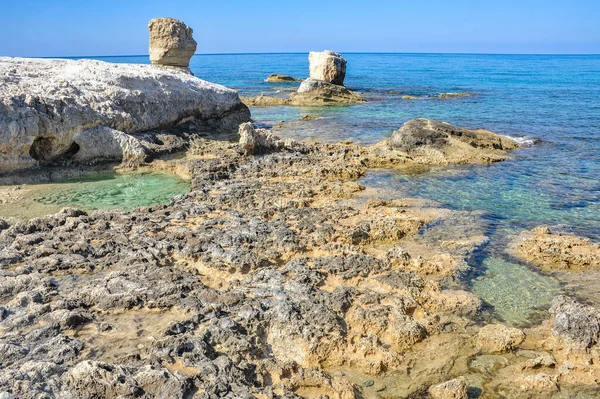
[325, 86]
[327, 66]
[171, 43]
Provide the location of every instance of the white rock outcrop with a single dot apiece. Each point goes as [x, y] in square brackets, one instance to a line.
[52, 109]
[171, 43]
[327, 66]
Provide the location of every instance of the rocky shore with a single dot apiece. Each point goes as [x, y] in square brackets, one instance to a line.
[278, 275]
[275, 276]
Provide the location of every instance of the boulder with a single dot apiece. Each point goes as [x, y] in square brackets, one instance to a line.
[277, 78]
[430, 142]
[171, 43]
[47, 107]
[497, 338]
[314, 92]
[253, 141]
[575, 324]
[327, 66]
[453, 389]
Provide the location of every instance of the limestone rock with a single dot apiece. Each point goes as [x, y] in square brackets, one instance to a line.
[105, 144]
[431, 142]
[319, 93]
[171, 42]
[575, 324]
[453, 389]
[552, 250]
[277, 78]
[254, 140]
[327, 66]
[47, 104]
[497, 338]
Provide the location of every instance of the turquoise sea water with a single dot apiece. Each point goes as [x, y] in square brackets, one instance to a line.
[554, 99]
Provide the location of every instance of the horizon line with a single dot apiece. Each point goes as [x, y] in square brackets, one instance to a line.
[306, 52]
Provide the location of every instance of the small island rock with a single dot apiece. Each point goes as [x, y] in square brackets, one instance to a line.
[277, 78]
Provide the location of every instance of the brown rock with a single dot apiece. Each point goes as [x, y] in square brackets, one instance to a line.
[277, 78]
[497, 338]
[453, 389]
[551, 251]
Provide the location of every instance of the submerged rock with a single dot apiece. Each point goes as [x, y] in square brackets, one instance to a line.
[171, 43]
[327, 66]
[47, 106]
[432, 142]
[277, 78]
[455, 95]
[551, 250]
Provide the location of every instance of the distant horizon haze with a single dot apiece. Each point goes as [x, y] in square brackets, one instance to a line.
[72, 28]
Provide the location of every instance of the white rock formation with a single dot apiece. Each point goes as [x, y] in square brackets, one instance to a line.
[253, 141]
[327, 66]
[171, 43]
[47, 106]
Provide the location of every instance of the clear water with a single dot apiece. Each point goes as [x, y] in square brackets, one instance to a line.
[553, 98]
[102, 190]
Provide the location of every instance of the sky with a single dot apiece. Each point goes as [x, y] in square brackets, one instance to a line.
[58, 28]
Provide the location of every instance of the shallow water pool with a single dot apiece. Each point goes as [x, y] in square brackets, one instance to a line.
[99, 190]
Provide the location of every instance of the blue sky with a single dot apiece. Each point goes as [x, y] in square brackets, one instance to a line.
[110, 27]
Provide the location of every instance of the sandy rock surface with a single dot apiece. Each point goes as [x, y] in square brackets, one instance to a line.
[552, 250]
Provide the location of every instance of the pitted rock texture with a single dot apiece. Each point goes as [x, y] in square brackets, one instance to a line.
[453, 389]
[575, 324]
[171, 42]
[47, 107]
[552, 250]
[327, 66]
[274, 277]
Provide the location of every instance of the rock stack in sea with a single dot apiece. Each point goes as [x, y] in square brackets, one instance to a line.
[171, 43]
[325, 86]
[327, 66]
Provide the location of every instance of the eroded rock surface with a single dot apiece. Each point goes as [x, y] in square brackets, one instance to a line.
[552, 250]
[171, 43]
[85, 110]
[276, 276]
[428, 141]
